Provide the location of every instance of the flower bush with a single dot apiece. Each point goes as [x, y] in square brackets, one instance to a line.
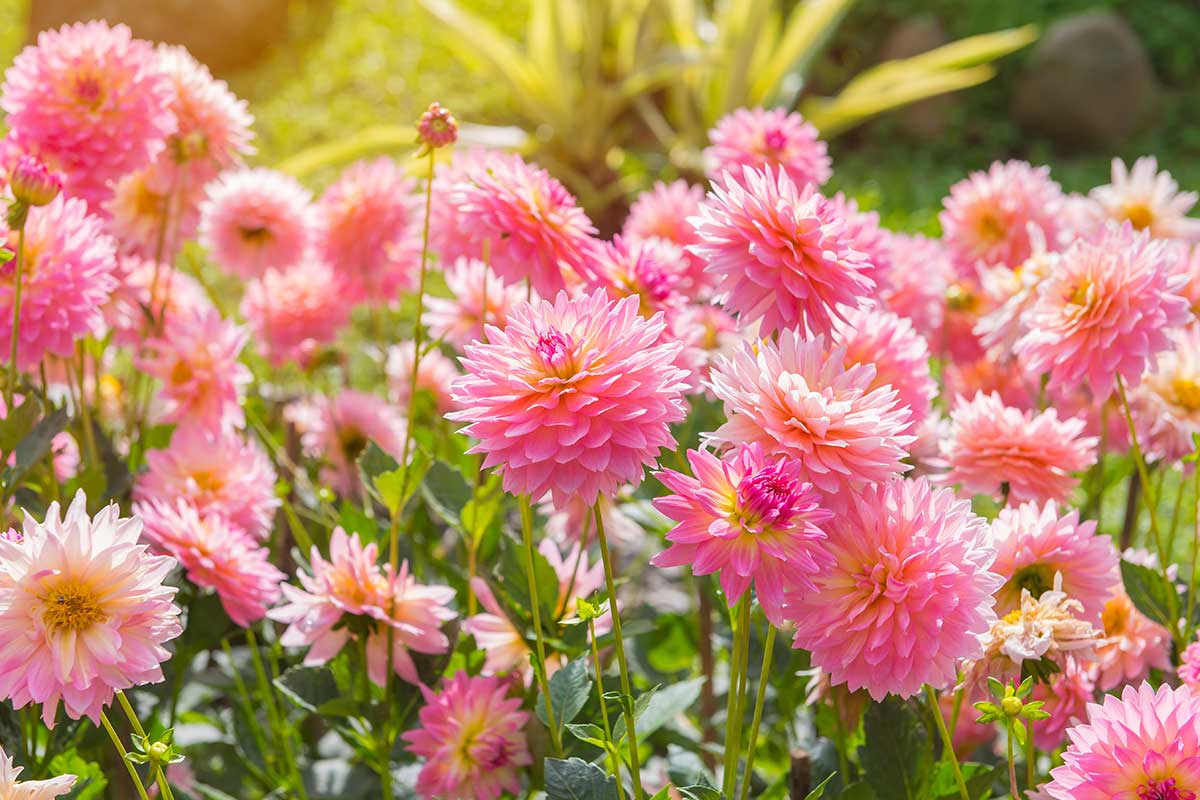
[413, 486]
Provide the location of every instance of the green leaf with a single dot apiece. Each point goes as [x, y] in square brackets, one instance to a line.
[897, 756]
[511, 577]
[390, 486]
[819, 790]
[700, 793]
[352, 519]
[978, 778]
[659, 706]
[587, 732]
[576, 779]
[91, 781]
[374, 461]
[857, 791]
[34, 447]
[1150, 592]
[447, 493]
[17, 425]
[569, 689]
[308, 687]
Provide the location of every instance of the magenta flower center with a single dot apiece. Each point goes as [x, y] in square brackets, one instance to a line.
[775, 140]
[1164, 790]
[655, 284]
[769, 498]
[89, 91]
[554, 350]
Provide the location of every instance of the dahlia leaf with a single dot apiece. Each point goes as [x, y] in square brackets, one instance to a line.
[35, 445]
[897, 757]
[310, 688]
[447, 493]
[576, 779]
[569, 690]
[819, 790]
[659, 706]
[1150, 592]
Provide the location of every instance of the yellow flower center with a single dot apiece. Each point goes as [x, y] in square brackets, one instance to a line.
[990, 228]
[1114, 617]
[208, 481]
[1013, 616]
[71, 606]
[961, 298]
[181, 372]
[1140, 215]
[1079, 294]
[1186, 392]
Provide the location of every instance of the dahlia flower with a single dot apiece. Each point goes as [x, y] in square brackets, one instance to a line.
[706, 331]
[216, 472]
[1142, 745]
[1166, 405]
[662, 212]
[477, 296]
[366, 229]
[997, 450]
[909, 593]
[472, 737]
[1012, 292]
[32, 183]
[1189, 667]
[1105, 312]
[139, 217]
[66, 277]
[413, 614]
[255, 219]
[762, 139]
[1066, 699]
[12, 789]
[294, 311]
[196, 359]
[1148, 200]
[435, 374]
[916, 284]
[1034, 544]
[780, 254]
[751, 519]
[336, 430]
[437, 127]
[83, 611]
[965, 303]
[91, 101]
[652, 270]
[795, 397]
[526, 219]
[987, 215]
[176, 296]
[215, 554]
[988, 375]
[864, 233]
[571, 398]
[575, 521]
[1133, 644]
[898, 353]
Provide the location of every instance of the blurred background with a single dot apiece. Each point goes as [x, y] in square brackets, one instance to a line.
[612, 94]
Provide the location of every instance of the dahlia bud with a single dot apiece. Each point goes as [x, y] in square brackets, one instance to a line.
[437, 127]
[32, 183]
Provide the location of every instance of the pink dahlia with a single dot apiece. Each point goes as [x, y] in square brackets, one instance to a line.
[663, 212]
[909, 593]
[706, 331]
[988, 375]
[1189, 667]
[12, 789]
[437, 127]
[367, 230]
[1105, 312]
[66, 278]
[1066, 700]
[1148, 200]
[750, 518]
[773, 139]
[255, 219]
[32, 182]
[293, 312]
[196, 359]
[177, 296]
[1011, 293]
[472, 737]
[571, 398]
[652, 270]
[898, 353]
[1033, 544]
[916, 284]
[1166, 406]
[336, 431]
[83, 611]
[796, 397]
[526, 219]
[1001, 451]
[413, 614]
[479, 297]
[1144, 745]
[987, 215]
[504, 647]
[865, 234]
[575, 522]
[780, 254]
[1133, 644]
[148, 215]
[92, 101]
[216, 472]
[435, 374]
[215, 554]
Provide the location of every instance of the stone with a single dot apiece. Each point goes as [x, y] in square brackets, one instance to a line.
[1087, 82]
[926, 119]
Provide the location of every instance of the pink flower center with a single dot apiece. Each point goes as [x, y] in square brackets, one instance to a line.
[1164, 790]
[554, 349]
[89, 91]
[769, 498]
[775, 140]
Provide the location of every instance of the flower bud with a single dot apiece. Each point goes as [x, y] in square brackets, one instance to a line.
[32, 183]
[159, 752]
[437, 127]
[1012, 706]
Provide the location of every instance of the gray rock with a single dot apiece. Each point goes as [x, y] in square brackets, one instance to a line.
[224, 34]
[1088, 81]
[926, 119]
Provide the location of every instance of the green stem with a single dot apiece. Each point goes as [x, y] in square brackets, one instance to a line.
[758, 708]
[733, 713]
[619, 645]
[1191, 597]
[273, 716]
[116, 740]
[609, 747]
[156, 771]
[11, 385]
[247, 703]
[1030, 756]
[948, 744]
[1012, 769]
[539, 664]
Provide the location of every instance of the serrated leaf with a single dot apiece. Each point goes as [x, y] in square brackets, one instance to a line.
[586, 732]
[576, 779]
[569, 688]
[1150, 592]
[897, 756]
[308, 687]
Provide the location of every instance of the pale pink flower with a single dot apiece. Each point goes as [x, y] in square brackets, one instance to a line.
[574, 397]
[1187, 263]
[294, 311]
[66, 278]
[864, 233]
[1066, 700]
[652, 270]
[91, 101]
[435, 375]
[909, 593]
[477, 292]
[1144, 745]
[1034, 544]
[1148, 200]
[767, 139]
[526, 219]
[255, 219]
[915, 286]
[177, 296]
[781, 254]
[1001, 451]
[336, 430]
[472, 737]
[217, 472]
[989, 375]
[12, 789]
[1166, 405]
[706, 331]
[574, 522]
[414, 615]
[138, 216]
[964, 304]
[1133, 644]
[196, 359]
[898, 353]
[1189, 667]
[749, 518]
[795, 397]
[83, 611]
[503, 646]
[215, 554]
[662, 212]
[987, 215]
[1012, 292]
[367, 230]
[1105, 312]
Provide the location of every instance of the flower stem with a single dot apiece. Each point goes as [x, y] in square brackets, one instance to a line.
[619, 645]
[1189, 628]
[609, 747]
[1012, 770]
[116, 740]
[539, 665]
[1030, 757]
[247, 705]
[157, 772]
[11, 385]
[740, 620]
[948, 744]
[758, 708]
[273, 716]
